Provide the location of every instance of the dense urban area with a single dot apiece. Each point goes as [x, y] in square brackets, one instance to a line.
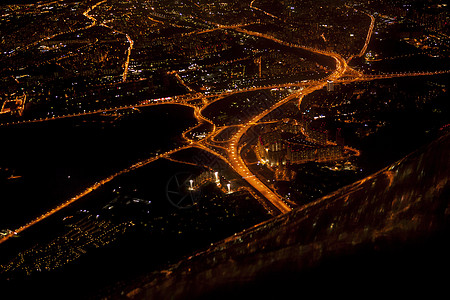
[136, 134]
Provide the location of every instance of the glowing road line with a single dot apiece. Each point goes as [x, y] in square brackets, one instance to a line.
[234, 157]
[264, 12]
[86, 13]
[127, 62]
[87, 191]
[369, 35]
[241, 168]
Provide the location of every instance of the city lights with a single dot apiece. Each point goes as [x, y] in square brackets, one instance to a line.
[136, 133]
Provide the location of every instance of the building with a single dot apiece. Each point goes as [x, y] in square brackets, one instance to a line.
[271, 148]
[302, 154]
[285, 144]
[12, 104]
[330, 86]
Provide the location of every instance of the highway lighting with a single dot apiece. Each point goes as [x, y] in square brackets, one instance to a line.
[238, 165]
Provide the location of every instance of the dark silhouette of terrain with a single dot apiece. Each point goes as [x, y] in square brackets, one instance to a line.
[384, 235]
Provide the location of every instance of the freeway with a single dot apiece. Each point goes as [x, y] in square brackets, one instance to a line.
[129, 40]
[179, 100]
[87, 15]
[127, 60]
[368, 37]
[239, 164]
[184, 99]
[232, 147]
[49, 37]
[87, 191]
[369, 77]
[241, 168]
[252, 6]
[234, 158]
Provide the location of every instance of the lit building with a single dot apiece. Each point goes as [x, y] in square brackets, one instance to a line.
[330, 86]
[271, 148]
[12, 104]
[303, 154]
[286, 144]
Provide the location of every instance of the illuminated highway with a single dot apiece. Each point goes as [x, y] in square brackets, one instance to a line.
[252, 6]
[368, 77]
[127, 61]
[130, 47]
[232, 147]
[185, 99]
[87, 191]
[241, 168]
[85, 13]
[369, 35]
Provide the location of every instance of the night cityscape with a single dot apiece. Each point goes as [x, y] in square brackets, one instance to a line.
[193, 149]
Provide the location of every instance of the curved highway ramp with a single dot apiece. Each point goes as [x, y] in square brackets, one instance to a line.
[386, 234]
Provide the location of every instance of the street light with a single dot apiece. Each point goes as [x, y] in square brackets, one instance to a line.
[216, 174]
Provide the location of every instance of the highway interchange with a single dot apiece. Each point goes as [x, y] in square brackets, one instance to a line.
[228, 151]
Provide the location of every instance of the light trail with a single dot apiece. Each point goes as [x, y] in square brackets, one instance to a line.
[127, 61]
[219, 130]
[48, 3]
[368, 77]
[180, 100]
[234, 159]
[368, 37]
[265, 12]
[241, 168]
[87, 191]
[234, 151]
[130, 47]
[181, 81]
[85, 13]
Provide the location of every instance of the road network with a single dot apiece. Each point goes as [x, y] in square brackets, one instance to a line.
[229, 151]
